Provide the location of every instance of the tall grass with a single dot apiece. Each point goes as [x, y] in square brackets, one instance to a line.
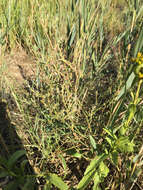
[82, 51]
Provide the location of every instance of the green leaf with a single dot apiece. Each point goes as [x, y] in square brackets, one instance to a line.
[95, 163]
[3, 174]
[114, 157]
[96, 187]
[123, 144]
[101, 173]
[77, 155]
[109, 132]
[72, 37]
[74, 153]
[3, 162]
[140, 13]
[13, 159]
[30, 183]
[123, 129]
[127, 86]
[63, 162]
[23, 164]
[129, 82]
[103, 170]
[119, 38]
[96, 180]
[12, 185]
[90, 171]
[139, 43]
[47, 186]
[86, 180]
[57, 181]
[131, 111]
[110, 141]
[92, 141]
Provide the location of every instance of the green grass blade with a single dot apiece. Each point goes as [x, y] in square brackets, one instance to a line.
[139, 43]
[13, 159]
[58, 182]
[90, 171]
[127, 86]
[92, 141]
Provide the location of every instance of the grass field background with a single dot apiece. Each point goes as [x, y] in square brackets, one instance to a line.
[81, 129]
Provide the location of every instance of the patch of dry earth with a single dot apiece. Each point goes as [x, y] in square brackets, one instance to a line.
[18, 67]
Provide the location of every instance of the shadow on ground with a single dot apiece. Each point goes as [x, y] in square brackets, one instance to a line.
[9, 144]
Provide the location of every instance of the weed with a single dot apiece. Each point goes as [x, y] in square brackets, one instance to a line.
[81, 112]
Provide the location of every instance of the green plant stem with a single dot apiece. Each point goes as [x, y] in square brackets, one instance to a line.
[138, 90]
[135, 103]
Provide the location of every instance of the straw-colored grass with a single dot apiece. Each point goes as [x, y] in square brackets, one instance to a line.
[67, 111]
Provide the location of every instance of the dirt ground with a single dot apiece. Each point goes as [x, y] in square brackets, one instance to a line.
[17, 67]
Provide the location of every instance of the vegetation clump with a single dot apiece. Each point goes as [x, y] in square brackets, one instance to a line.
[71, 82]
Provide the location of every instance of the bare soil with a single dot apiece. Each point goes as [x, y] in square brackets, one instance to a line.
[18, 67]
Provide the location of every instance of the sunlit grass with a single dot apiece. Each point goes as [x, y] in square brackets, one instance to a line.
[82, 51]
